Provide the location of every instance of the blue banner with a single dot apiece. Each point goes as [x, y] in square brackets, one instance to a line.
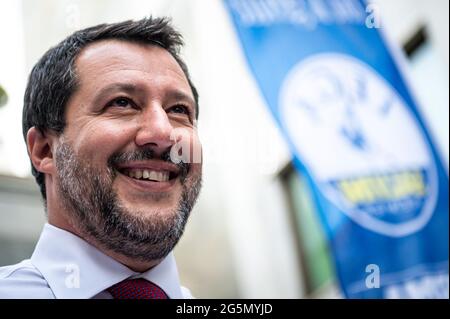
[336, 91]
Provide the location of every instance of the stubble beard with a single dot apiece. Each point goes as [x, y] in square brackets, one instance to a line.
[96, 211]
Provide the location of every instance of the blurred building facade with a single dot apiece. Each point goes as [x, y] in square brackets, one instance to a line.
[254, 232]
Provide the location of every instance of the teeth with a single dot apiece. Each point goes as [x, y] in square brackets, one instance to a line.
[160, 176]
[153, 175]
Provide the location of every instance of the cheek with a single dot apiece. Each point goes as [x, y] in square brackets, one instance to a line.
[97, 142]
[195, 147]
[187, 146]
[196, 150]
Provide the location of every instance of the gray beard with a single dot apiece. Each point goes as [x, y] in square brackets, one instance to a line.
[96, 211]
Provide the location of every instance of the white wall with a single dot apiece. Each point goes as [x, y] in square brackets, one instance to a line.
[13, 157]
[429, 75]
[243, 153]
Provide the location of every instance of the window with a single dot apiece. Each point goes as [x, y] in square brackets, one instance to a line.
[314, 252]
[3, 96]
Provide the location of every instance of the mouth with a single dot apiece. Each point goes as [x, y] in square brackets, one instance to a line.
[150, 176]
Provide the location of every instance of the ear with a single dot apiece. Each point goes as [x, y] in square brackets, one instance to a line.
[39, 147]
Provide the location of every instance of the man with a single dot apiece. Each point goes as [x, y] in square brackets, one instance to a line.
[105, 113]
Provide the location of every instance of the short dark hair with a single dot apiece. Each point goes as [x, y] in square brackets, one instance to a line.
[53, 79]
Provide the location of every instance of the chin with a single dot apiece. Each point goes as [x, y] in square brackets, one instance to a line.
[145, 208]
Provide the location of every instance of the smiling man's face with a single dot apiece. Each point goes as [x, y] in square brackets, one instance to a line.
[114, 173]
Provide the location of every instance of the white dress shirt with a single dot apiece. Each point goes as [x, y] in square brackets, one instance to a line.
[65, 266]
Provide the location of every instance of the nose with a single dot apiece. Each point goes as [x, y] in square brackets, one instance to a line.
[155, 130]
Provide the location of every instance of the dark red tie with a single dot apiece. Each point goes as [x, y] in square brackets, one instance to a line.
[136, 289]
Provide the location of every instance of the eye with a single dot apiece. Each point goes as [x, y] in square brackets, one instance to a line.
[122, 102]
[179, 109]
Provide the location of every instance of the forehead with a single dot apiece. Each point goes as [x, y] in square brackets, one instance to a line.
[111, 60]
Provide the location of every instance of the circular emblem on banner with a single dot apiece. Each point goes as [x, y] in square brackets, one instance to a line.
[360, 142]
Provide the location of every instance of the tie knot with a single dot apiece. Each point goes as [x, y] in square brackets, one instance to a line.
[136, 289]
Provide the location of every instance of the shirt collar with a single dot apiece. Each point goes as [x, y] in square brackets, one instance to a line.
[75, 269]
